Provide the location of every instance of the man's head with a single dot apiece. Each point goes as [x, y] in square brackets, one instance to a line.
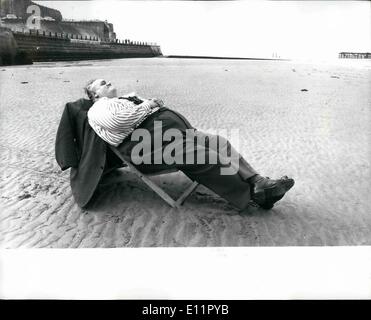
[99, 88]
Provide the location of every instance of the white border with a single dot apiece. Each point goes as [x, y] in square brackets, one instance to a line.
[187, 273]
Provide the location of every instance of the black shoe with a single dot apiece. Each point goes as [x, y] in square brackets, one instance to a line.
[266, 192]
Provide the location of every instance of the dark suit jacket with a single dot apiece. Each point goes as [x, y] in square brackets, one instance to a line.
[78, 147]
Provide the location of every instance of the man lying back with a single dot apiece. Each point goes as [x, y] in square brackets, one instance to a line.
[115, 119]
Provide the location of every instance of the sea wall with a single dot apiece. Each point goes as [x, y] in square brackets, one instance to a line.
[48, 47]
[8, 46]
[53, 40]
[89, 29]
[9, 51]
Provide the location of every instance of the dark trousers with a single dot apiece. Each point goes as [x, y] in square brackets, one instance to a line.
[232, 187]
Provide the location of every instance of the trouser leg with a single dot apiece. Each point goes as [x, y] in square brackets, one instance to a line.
[227, 177]
[230, 155]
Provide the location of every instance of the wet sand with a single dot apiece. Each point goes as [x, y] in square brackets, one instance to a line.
[321, 137]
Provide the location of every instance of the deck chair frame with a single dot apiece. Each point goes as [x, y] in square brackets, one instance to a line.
[157, 189]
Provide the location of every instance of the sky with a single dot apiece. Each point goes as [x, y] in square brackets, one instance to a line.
[287, 29]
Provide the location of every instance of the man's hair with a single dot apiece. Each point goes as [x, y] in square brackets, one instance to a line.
[88, 90]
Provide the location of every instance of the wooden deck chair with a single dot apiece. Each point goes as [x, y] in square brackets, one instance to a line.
[145, 178]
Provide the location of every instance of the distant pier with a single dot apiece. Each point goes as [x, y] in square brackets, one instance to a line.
[355, 55]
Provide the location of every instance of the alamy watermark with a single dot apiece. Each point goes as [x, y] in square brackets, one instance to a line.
[187, 147]
[33, 21]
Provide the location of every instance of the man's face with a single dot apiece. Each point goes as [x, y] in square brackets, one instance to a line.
[103, 88]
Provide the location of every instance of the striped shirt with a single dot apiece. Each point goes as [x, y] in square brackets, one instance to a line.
[114, 119]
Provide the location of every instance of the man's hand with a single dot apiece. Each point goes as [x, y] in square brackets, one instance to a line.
[154, 103]
[158, 102]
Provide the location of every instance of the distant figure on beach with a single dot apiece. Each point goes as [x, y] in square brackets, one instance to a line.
[87, 126]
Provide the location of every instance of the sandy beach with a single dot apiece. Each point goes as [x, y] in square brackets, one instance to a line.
[320, 136]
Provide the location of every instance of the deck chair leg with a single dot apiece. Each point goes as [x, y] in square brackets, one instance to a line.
[147, 181]
[187, 193]
[159, 191]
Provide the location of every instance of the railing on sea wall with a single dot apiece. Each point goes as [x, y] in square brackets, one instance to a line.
[79, 38]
